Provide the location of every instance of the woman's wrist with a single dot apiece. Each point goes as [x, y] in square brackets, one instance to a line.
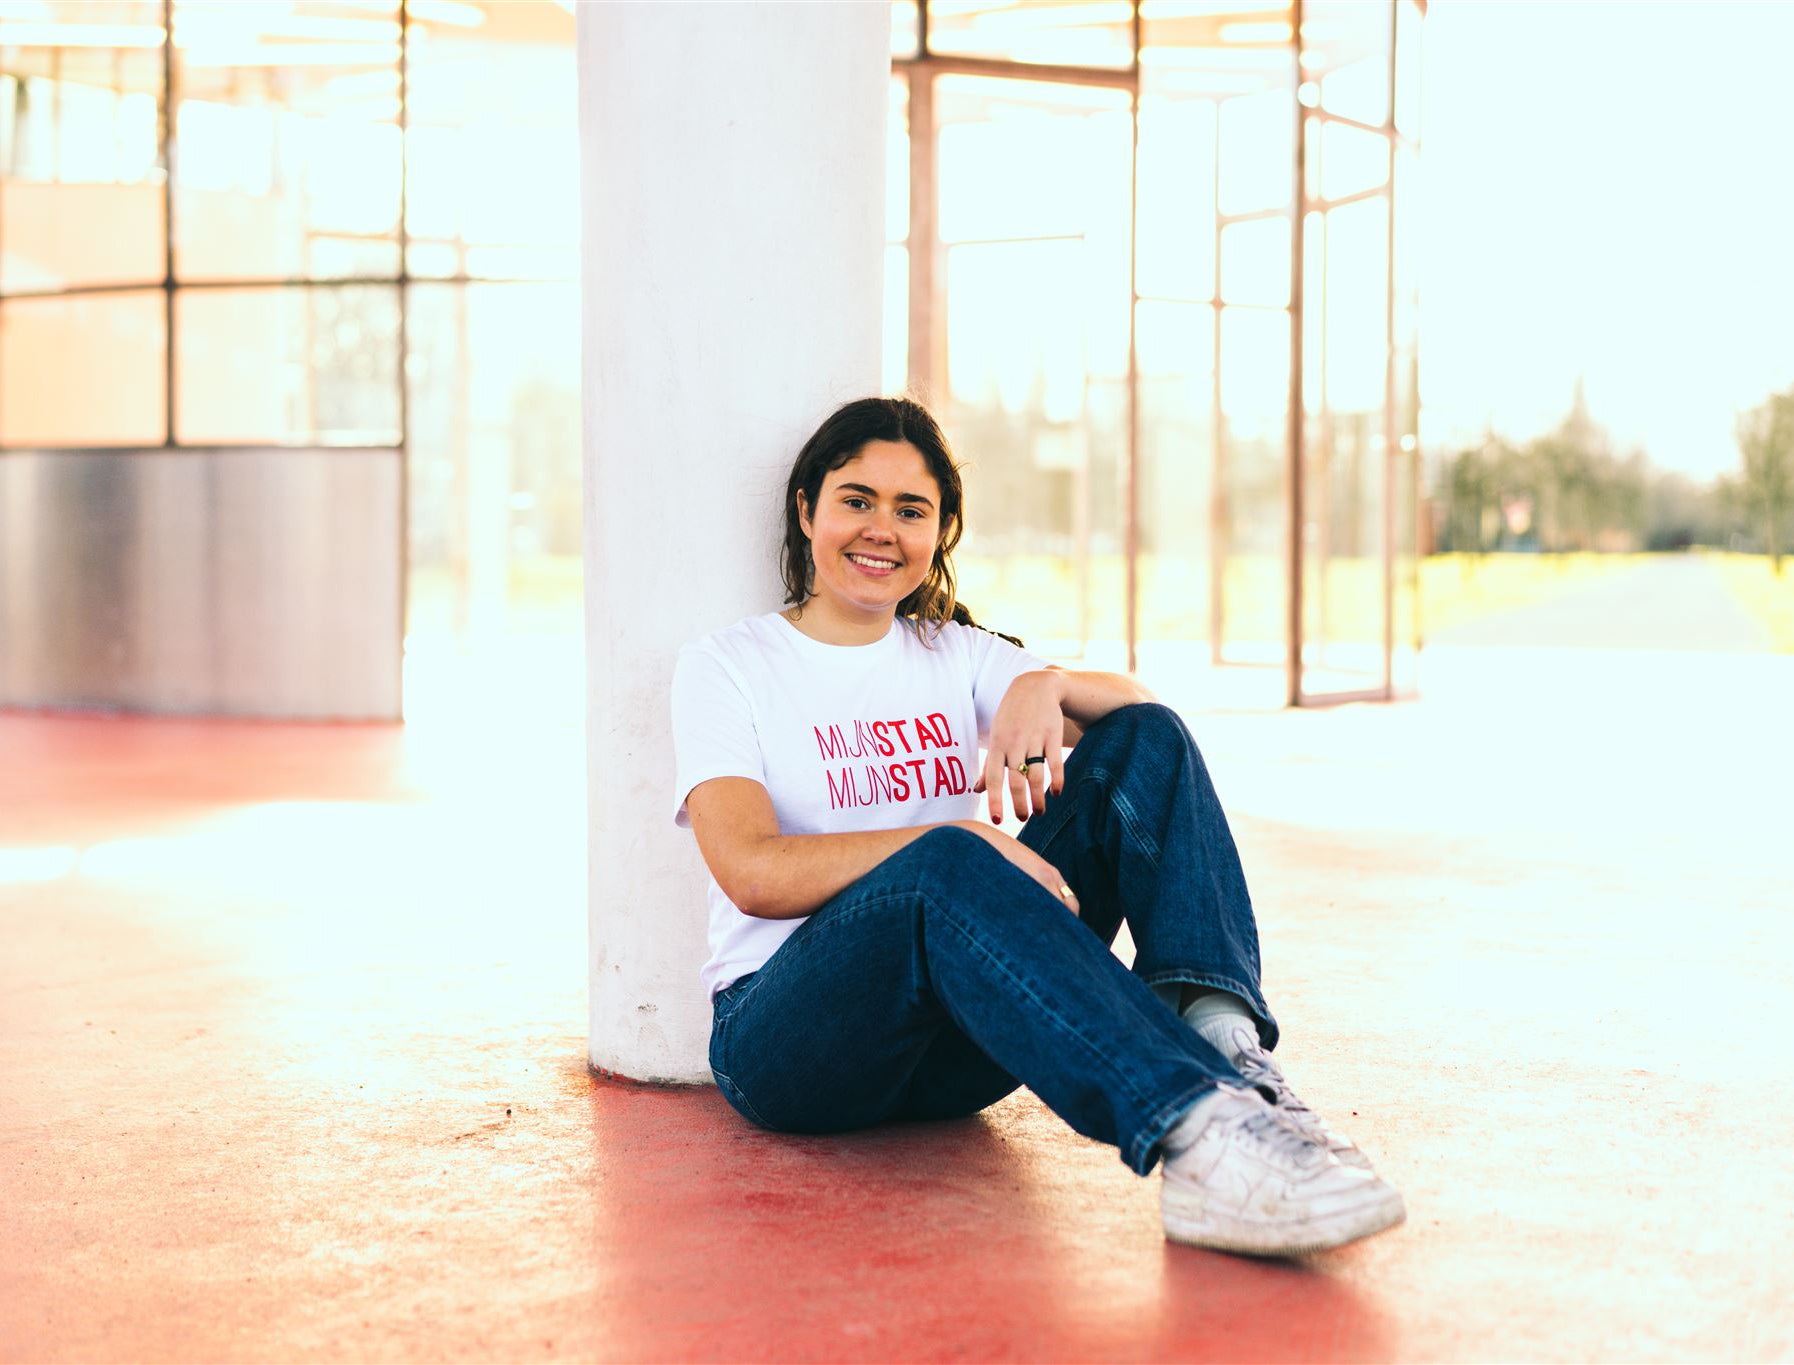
[1051, 678]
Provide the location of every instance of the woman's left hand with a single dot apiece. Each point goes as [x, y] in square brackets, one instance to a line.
[1029, 724]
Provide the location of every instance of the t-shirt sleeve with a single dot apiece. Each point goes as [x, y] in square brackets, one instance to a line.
[995, 664]
[713, 726]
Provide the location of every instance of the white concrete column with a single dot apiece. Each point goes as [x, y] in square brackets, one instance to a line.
[733, 198]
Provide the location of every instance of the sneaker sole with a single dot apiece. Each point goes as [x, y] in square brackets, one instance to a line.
[1189, 1220]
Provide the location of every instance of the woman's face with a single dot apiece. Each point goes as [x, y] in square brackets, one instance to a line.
[873, 530]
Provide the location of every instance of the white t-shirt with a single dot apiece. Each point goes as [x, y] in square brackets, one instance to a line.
[843, 738]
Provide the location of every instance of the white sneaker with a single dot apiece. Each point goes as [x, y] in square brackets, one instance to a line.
[1258, 1070]
[1248, 1181]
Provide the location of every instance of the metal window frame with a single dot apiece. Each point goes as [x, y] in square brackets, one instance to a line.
[927, 361]
[926, 345]
[402, 280]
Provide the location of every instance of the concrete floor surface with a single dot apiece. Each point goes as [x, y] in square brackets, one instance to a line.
[292, 1059]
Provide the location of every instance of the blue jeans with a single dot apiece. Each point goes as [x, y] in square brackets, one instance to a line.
[946, 977]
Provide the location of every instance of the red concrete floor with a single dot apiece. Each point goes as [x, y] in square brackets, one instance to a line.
[292, 1062]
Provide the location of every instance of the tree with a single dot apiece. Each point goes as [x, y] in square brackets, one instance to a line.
[1468, 491]
[1475, 484]
[1564, 473]
[1679, 513]
[1766, 440]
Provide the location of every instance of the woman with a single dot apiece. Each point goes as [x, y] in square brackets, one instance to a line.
[878, 952]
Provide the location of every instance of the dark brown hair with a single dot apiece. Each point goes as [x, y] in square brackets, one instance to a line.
[841, 437]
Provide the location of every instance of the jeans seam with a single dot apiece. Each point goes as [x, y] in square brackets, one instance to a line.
[1125, 810]
[736, 1092]
[1111, 1063]
[1106, 780]
[852, 909]
[1183, 976]
[1064, 818]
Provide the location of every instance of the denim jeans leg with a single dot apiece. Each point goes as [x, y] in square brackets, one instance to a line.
[947, 933]
[1139, 833]
[954, 1079]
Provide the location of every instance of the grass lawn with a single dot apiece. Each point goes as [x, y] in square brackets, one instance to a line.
[1760, 592]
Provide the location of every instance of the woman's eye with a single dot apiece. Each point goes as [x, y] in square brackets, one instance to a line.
[857, 503]
[913, 513]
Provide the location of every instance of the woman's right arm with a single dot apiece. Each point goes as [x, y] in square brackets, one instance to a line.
[770, 875]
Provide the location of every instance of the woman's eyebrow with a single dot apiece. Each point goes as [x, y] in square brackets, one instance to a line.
[873, 493]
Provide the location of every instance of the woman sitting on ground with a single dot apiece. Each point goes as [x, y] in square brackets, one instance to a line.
[878, 952]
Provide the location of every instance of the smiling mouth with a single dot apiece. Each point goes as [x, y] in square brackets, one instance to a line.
[868, 564]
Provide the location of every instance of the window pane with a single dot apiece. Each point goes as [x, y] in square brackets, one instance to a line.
[1082, 33]
[1176, 350]
[492, 172]
[1342, 553]
[286, 127]
[1034, 188]
[495, 460]
[1255, 371]
[903, 29]
[1258, 151]
[1008, 149]
[897, 163]
[1176, 247]
[1357, 305]
[1351, 159]
[1216, 47]
[287, 366]
[1255, 262]
[895, 370]
[1253, 455]
[1345, 465]
[81, 371]
[81, 200]
[1345, 46]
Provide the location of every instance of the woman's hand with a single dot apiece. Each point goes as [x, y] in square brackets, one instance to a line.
[1029, 724]
[1027, 859]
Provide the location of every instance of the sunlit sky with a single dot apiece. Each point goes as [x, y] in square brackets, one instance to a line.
[1610, 192]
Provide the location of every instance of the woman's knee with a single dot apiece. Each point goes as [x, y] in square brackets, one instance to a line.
[1145, 750]
[951, 854]
[943, 857]
[951, 841]
[1148, 723]
[959, 867]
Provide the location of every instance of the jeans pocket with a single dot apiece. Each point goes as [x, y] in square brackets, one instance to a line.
[725, 1001]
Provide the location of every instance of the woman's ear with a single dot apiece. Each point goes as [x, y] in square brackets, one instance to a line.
[803, 512]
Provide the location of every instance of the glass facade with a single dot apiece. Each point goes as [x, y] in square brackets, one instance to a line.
[1155, 233]
[1151, 261]
[305, 225]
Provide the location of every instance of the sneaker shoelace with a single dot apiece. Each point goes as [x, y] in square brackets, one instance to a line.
[1281, 1141]
[1258, 1070]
